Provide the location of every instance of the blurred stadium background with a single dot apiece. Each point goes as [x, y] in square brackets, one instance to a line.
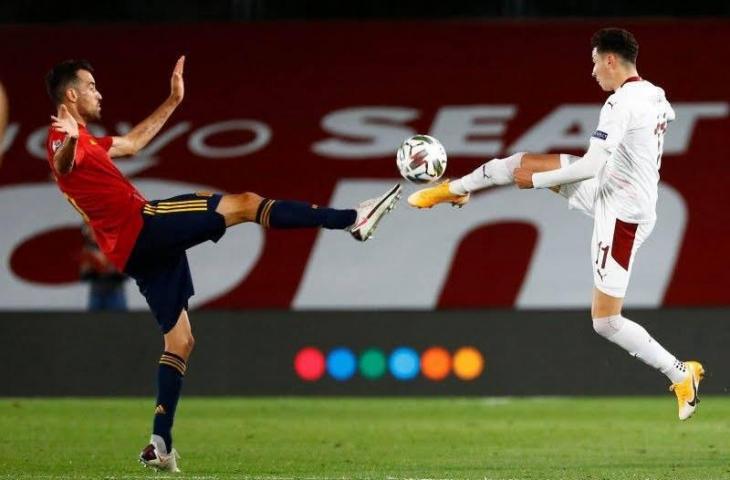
[309, 100]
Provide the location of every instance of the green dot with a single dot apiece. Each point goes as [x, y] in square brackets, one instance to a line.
[372, 363]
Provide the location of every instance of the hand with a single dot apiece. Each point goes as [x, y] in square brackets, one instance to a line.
[65, 122]
[177, 86]
[523, 177]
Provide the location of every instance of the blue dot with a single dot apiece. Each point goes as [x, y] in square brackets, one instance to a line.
[341, 364]
[404, 363]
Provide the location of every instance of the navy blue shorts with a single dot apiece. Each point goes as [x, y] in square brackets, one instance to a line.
[158, 262]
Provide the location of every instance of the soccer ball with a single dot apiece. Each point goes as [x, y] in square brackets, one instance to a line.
[421, 159]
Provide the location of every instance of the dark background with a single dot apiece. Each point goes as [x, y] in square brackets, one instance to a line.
[84, 11]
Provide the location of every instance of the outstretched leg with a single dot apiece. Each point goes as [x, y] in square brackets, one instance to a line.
[498, 171]
[250, 207]
[360, 221]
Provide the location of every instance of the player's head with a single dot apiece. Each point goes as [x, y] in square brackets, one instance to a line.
[72, 83]
[614, 52]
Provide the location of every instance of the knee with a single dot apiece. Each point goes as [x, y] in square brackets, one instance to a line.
[246, 201]
[182, 345]
[608, 326]
[189, 344]
[239, 207]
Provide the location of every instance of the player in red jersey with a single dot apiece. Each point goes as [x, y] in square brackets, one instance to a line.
[148, 239]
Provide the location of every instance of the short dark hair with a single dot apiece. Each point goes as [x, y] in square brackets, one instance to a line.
[618, 41]
[58, 78]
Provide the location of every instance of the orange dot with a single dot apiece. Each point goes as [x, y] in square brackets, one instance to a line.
[468, 363]
[436, 363]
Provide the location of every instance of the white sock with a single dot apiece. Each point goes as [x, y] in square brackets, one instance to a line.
[159, 444]
[633, 338]
[497, 171]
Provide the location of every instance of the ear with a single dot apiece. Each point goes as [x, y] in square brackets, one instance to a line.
[71, 94]
[611, 59]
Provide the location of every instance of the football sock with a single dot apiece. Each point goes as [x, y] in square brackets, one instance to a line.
[169, 382]
[293, 214]
[497, 171]
[633, 338]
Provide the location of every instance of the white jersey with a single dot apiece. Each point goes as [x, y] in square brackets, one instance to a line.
[631, 129]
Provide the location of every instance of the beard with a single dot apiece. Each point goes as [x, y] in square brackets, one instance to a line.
[91, 114]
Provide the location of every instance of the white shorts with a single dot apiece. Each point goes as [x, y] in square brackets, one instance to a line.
[614, 243]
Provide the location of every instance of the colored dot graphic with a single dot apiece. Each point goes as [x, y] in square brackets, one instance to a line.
[436, 363]
[341, 364]
[309, 364]
[404, 363]
[372, 363]
[468, 363]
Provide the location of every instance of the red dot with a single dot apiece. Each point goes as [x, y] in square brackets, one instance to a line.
[309, 364]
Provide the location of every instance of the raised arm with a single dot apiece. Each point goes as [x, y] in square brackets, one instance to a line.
[63, 158]
[142, 133]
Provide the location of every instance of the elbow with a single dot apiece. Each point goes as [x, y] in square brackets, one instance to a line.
[586, 174]
[594, 160]
[132, 147]
[61, 168]
[131, 151]
[596, 168]
[592, 173]
[586, 168]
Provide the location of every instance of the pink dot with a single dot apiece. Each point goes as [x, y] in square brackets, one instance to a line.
[309, 364]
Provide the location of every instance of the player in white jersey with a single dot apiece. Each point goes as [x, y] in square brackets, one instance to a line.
[615, 182]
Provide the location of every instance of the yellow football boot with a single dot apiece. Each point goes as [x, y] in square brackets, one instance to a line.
[686, 391]
[430, 196]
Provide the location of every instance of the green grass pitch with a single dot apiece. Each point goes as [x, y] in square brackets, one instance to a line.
[388, 439]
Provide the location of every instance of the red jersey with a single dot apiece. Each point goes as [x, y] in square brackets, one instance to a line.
[100, 193]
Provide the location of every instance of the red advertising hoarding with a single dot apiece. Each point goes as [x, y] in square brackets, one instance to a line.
[315, 112]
